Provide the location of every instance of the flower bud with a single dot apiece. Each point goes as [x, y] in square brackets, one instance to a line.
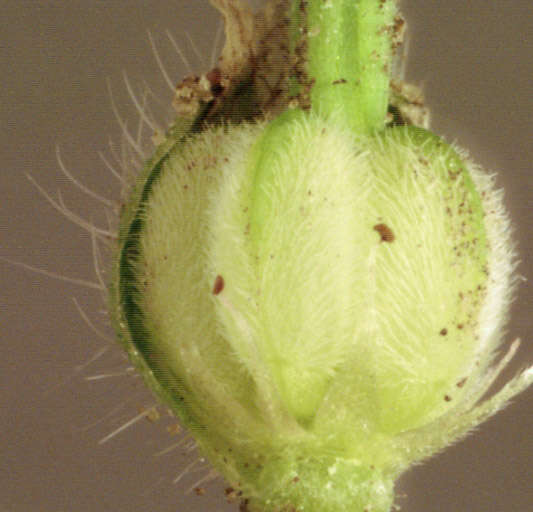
[320, 305]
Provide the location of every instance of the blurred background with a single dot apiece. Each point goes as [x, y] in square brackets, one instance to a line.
[475, 62]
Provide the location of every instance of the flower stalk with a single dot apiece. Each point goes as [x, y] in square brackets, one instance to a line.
[350, 47]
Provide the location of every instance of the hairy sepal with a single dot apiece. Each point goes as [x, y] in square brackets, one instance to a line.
[311, 300]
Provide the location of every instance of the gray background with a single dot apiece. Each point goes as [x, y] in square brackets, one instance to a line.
[475, 61]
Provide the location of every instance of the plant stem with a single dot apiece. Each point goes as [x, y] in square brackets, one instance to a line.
[349, 49]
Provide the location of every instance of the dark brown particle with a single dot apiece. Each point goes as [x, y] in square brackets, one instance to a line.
[219, 285]
[462, 382]
[385, 232]
[443, 332]
[232, 495]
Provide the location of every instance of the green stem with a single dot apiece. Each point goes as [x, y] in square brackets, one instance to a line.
[349, 49]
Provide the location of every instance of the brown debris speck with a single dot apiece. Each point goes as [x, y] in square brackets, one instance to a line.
[215, 79]
[443, 332]
[385, 232]
[462, 382]
[218, 286]
[231, 494]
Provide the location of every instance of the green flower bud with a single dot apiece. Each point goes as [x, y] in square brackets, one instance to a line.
[319, 300]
